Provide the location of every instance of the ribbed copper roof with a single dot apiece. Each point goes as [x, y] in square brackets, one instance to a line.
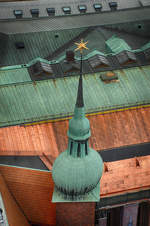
[15, 215]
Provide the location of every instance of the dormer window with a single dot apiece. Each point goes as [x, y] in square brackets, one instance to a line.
[34, 12]
[97, 7]
[66, 10]
[18, 13]
[51, 11]
[113, 5]
[126, 57]
[82, 8]
[98, 61]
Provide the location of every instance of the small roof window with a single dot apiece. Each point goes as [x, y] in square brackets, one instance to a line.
[39, 67]
[109, 77]
[126, 57]
[34, 12]
[113, 5]
[66, 10]
[51, 11]
[98, 61]
[18, 13]
[82, 8]
[19, 45]
[97, 6]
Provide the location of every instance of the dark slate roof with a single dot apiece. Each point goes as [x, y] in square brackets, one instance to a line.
[97, 37]
[52, 45]
[125, 152]
[75, 21]
[33, 162]
[41, 44]
[140, 28]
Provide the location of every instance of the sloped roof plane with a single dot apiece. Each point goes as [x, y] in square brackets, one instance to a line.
[36, 101]
[15, 215]
[48, 140]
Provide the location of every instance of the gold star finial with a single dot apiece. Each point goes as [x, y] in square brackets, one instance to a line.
[81, 45]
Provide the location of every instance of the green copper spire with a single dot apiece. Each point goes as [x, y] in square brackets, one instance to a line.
[77, 171]
[79, 127]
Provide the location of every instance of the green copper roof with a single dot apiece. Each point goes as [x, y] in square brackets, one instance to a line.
[92, 196]
[116, 45]
[76, 178]
[79, 127]
[34, 101]
[14, 75]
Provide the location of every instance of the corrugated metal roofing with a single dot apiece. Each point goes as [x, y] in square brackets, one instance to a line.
[55, 98]
[41, 44]
[49, 139]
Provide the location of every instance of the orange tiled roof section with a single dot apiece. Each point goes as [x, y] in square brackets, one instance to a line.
[49, 139]
[125, 176]
[33, 188]
[13, 212]
[33, 191]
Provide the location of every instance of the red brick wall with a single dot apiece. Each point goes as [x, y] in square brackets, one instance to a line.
[75, 214]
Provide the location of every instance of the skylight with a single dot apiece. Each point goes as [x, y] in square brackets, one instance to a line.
[82, 8]
[35, 12]
[113, 5]
[51, 11]
[19, 45]
[97, 6]
[66, 10]
[18, 13]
